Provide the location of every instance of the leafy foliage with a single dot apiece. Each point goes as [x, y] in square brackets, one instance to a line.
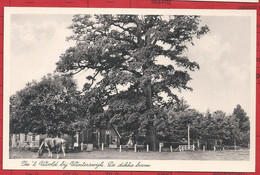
[216, 125]
[48, 106]
[241, 126]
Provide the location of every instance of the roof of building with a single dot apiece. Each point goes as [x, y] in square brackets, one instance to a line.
[116, 131]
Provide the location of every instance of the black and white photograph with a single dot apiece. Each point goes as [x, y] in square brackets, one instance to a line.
[129, 89]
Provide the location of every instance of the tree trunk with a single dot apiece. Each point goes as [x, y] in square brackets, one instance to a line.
[152, 133]
[71, 143]
[149, 104]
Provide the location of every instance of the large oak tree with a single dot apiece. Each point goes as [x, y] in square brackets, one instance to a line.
[137, 59]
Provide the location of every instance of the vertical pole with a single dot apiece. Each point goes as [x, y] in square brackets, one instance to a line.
[193, 147]
[77, 138]
[82, 138]
[82, 146]
[102, 146]
[98, 139]
[203, 147]
[120, 148]
[171, 148]
[188, 136]
[135, 148]
[214, 148]
[235, 145]
[160, 148]
[147, 148]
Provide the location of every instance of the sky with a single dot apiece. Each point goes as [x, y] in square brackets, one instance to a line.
[222, 82]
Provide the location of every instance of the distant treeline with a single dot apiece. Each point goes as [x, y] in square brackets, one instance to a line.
[232, 128]
[54, 106]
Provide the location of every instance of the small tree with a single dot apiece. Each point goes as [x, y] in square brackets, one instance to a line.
[243, 125]
[46, 107]
[177, 120]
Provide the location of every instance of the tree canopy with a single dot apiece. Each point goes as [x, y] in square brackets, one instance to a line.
[129, 50]
[46, 107]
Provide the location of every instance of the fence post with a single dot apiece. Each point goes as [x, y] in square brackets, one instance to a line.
[171, 148]
[82, 146]
[135, 148]
[147, 148]
[160, 148]
[193, 147]
[102, 146]
[203, 147]
[214, 148]
[120, 148]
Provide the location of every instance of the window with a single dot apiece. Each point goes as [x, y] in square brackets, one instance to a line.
[17, 138]
[33, 137]
[108, 132]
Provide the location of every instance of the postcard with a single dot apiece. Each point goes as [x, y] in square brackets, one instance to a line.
[129, 89]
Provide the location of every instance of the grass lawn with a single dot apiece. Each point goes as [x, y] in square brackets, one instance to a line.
[143, 155]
